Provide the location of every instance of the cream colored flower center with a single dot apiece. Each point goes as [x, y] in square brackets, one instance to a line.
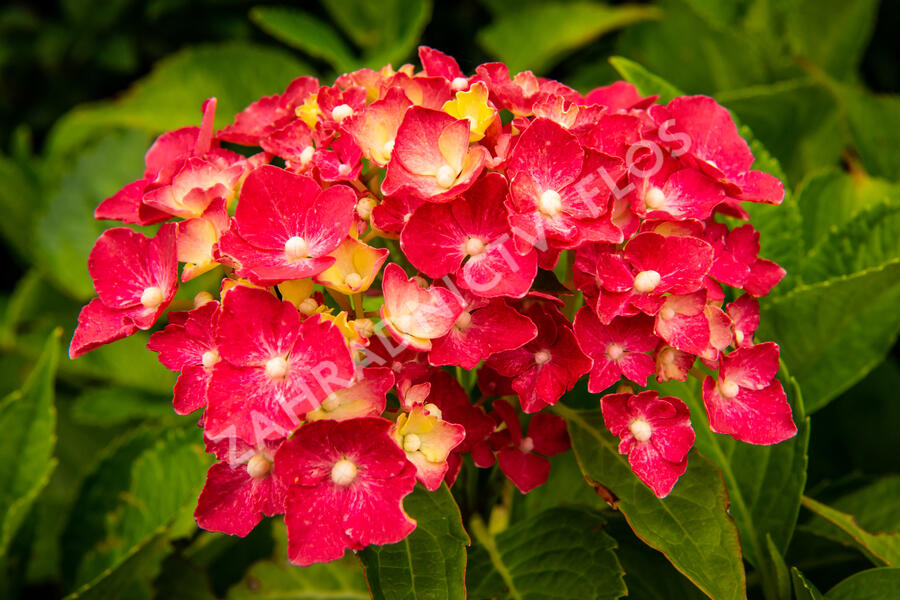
[474, 246]
[412, 442]
[343, 472]
[296, 248]
[209, 358]
[445, 176]
[646, 281]
[259, 466]
[152, 297]
[542, 357]
[550, 203]
[640, 429]
[655, 198]
[341, 112]
[277, 367]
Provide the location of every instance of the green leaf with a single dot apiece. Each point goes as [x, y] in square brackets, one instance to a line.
[832, 33]
[20, 194]
[28, 423]
[869, 240]
[388, 30]
[131, 577]
[278, 579]
[431, 562]
[764, 483]
[305, 32]
[539, 36]
[872, 119]
[648, 575]
[110, 406]
[559, 553]
[803, 588]
[829, 199]
[171, 95]
[873, 584]
[143, 370]
[691, 526]
[833, 332]
[876, 530]
[775, 577]
[144, 483]
[647, 83]
[66, 231]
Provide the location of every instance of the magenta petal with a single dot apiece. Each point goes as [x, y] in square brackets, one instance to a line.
[754, 416]
[657, 473]
[99, 325]
[526, 470]
[232, 502]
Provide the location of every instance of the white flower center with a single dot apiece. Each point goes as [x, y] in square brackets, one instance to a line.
[343, 472]
[364, 207]
[152, 297]
[550, 203]
[614, 352]
[344, 170]
[459, 84]
[259, 466]
[277, 367]
[728, 389]
[330, 403]
[667, 313]
[474, 246]
[463, 320]
[640, 429]
[353, 280]
[667, 356]
[307, 155]
[341, 112]
[389, 147]
[655, 198]
[646, 281]
[411, 442]
[738, 336]
[295, 248]
[542, 357]
[527, 444]
[308, 306]
[209, 358]
[445, 176]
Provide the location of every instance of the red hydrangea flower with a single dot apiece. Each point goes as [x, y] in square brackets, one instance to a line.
[484, 328]
[747, 402]
[135, 279]
[472, 228]
[274, 368]
[346, 481]
[682, 322]
[617, 349]
[189, 347]
[546, 367]
[375, 128]
[286, 225]
[240, 489]
[415, 315]
[431, 157]
[744, 313]
[426, 438]
[523, 458]
[655, 433]
[736, 262]
[268, 114]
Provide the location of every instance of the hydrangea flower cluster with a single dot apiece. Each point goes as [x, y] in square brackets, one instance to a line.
[373, 233]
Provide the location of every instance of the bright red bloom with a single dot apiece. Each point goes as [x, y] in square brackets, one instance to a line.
[286, 225]
[682, 322]
[620, 95]
[135, 279]
[484, 328]
[617, 349]
[366, 397]
[431, 157]
[240, 489]
[426, 438]
[656, 435]
[437, 64]
[415, 315]
[274, 368]
[522, 458]
[744, 313]
[269, 114]
[546, 367]
[736, 262]
[672, 363]
[747, 402]
[472, 228]
[346, 481]
[375, 128]
[189, 347]
[519, 94]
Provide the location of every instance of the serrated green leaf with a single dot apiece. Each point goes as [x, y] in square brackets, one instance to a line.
[130, 577]
[431, 561]
[764, 483]
[28, 422]
[387, 30]
[832, 33]
[869, 240]
[833, 332]
[144, 483]
[171, 95]
[829, 199]
[66, 231]
[878, 535]
[305, 32]
[803, 588]
[560, 553]
[691, 526]
[872, 584]
[538, 36]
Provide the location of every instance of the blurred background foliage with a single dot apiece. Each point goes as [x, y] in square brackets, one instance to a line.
[98, 476]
